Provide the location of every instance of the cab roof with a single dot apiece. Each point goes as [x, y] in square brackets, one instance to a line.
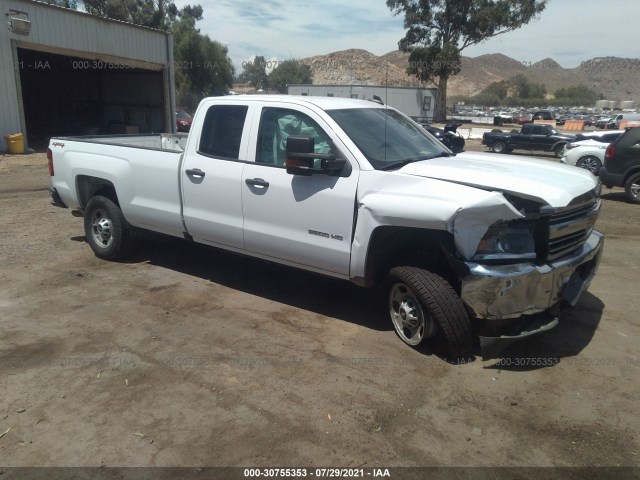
[325, 103]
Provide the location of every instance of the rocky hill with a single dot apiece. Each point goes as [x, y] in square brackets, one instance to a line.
[616, 78]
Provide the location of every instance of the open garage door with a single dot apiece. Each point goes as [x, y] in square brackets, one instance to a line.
[67, 95]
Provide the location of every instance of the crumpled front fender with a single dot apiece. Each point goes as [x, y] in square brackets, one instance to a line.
[415, 202]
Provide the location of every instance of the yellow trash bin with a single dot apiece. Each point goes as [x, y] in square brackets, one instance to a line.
[15, 143]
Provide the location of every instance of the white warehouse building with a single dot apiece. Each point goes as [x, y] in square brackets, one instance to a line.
[417, 103]
[65, 72]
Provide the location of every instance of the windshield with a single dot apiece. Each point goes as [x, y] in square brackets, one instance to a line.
[386, 137]
[182, 114]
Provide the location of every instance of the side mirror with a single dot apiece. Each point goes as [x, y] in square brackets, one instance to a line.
[300, 158]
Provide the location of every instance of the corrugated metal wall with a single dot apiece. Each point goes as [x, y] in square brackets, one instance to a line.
[9, 112]
[66, 32]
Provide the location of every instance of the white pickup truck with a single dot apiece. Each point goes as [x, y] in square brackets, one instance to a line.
[470, 245]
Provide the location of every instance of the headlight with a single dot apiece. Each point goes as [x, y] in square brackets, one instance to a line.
[507, 241]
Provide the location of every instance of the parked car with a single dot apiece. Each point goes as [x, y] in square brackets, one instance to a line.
[587, 150]
[357, 191]
[620, 117]
[622, 164]
[522, 118]
[588, 154]
[502, 117]
[600, 136]
[602, 122]
[543, 115]
[531, 137]
[183, 121]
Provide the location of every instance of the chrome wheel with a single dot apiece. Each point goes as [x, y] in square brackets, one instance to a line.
[409, 319]
[632, 188]
[499, 147]
[589, 163]
[101, 228]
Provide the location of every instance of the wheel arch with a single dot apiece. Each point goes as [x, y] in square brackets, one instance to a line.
[629, 173]
[88, 186]
[559, 143]
[406, 246]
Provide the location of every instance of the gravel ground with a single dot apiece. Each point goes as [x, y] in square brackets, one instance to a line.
[189, 356]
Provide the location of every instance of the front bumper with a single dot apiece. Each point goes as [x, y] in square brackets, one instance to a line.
[499, 292]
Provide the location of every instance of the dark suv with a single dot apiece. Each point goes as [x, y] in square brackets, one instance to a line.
[622, 164]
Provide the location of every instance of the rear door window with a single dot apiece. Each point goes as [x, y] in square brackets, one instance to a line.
[630, 138]
[222, 131]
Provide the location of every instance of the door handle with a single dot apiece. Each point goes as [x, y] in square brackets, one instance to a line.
[256, 182]
[195, 172]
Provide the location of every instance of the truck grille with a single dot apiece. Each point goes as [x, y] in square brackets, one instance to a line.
[567, 229]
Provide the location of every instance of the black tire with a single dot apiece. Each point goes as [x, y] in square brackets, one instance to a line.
[558, 151]
[438, 311]
[106, 230]
[499, 147]
[591, 163]
[632, 189]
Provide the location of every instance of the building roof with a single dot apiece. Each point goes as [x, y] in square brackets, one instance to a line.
[347, 85]
[80, 12]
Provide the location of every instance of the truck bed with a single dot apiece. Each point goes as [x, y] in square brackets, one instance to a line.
[142, 169]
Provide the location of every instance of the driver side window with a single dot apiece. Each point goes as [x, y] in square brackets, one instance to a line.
[276, 125]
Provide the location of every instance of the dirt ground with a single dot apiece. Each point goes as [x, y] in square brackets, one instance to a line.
[189, 356]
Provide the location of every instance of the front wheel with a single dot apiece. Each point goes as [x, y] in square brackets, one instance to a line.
[632, 188]
[590, 163]
[558, 151]
[499, 147]
[106, 230]
[423, 306]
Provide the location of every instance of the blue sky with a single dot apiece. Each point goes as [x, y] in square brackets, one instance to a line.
[569, 31]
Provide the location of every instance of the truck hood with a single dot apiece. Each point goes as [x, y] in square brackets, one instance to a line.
[543, 181]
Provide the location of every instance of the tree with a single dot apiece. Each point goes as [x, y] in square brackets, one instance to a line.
[527, 89]
[203, 65]
[73, 4]
[255, 73]
[438, 31]
[160, 14]
[577, 94]
[140, 12]
[289, 72]
[499, 89]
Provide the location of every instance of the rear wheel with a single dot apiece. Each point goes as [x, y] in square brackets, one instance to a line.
[632, 188]
[499, 147]
[423, 306]
[106, 230]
